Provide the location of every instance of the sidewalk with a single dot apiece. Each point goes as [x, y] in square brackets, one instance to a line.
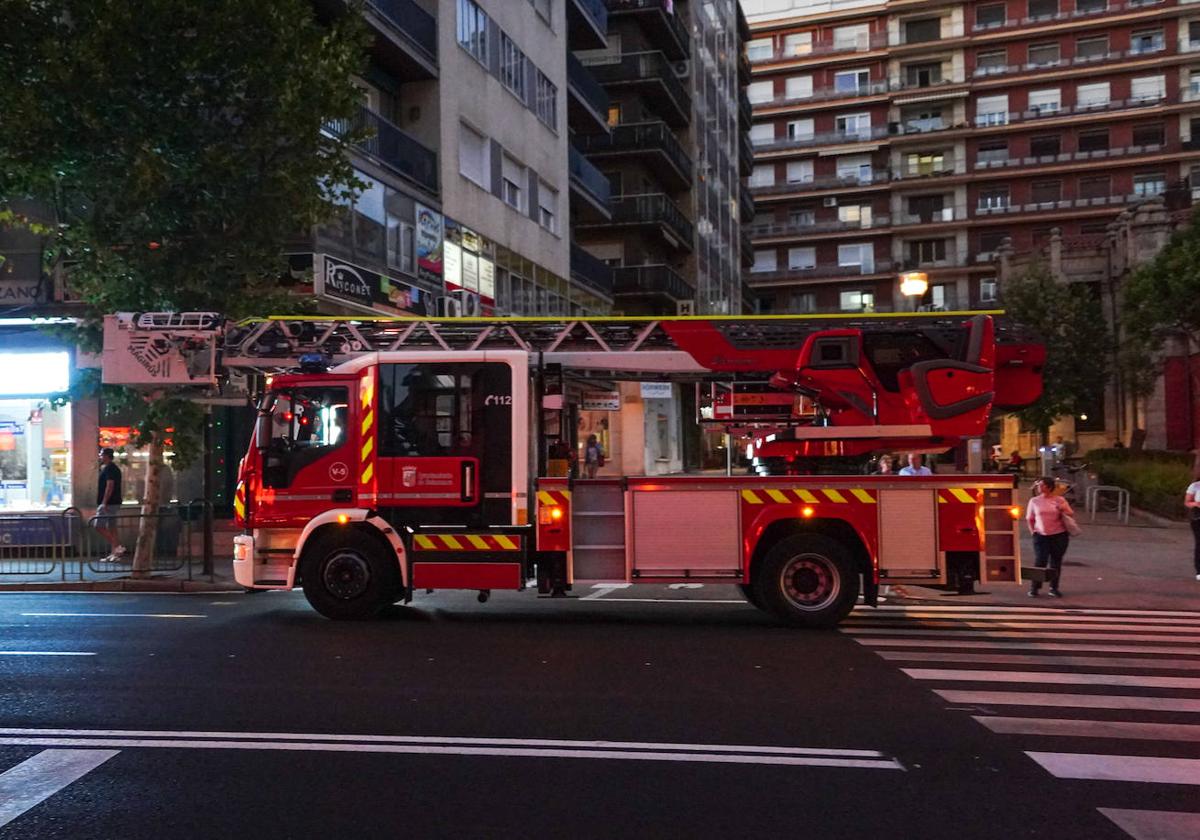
[222, 580]
[1144, 565]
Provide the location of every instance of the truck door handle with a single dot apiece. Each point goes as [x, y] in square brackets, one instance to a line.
[468, 481]
[345, 495]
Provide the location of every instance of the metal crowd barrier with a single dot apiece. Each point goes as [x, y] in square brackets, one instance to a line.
[173, 527]
[36, 543]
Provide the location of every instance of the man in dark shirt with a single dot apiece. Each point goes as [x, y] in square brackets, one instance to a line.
[108, 500]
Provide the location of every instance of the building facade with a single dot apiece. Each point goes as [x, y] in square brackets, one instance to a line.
[919, 136]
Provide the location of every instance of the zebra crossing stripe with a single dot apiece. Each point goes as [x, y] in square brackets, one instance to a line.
[1182, 650]
[38, 778]
[1155, 825]
[955, 624]
[1071, 728]
[1120, 768]
[1186, 639]
[1049, 699]
[1051, 678]
[1149, 663]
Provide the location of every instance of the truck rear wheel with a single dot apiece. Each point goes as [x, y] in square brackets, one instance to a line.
[347, 575]
[808, 580]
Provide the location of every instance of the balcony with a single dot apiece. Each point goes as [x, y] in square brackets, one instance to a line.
[650, 210]
[587, 24]
[914, 37]
[745, 111]
[746, 210]
[1069, 157]
[819, 273]
[591, 272]
[745, 156]
[651, 281]
[875, 88]
[651, 141]
[587, 101]
[879, 223]
[660, 22]
[589, 185]
[391, 147]
[1063, 204]
[743, 68]
[747, 248]
[652, 76]
[875, 41]
[825, 138]
[1111, 7]
[940, 169]
[876, 178]
[406, 38]
[933, 217]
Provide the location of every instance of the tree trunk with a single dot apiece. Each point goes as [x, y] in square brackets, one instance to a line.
[143, 554]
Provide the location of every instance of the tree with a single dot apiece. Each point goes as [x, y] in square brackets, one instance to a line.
[1071, 325]
[178, 145]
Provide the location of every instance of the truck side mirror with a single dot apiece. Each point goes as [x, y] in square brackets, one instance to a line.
[262, 431]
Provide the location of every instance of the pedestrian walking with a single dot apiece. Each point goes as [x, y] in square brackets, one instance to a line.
[108, 499]
[1045, 516]
[915, 467]
[1191, 500]
[593, 456]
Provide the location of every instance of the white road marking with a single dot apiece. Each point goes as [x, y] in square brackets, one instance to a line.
[45, 653]
[1120, 768]
[1047, 621]
[1132, 730]
[1036, 659]
[110, 615]
[1155, 825]
[43, 775]
[530, 748]
[686, 586]
[602, 589]
[1070, 701]
[675, 601]
[1180, 650]
[954, 624]
[1019, 634]
[950, 608]
[1051, 678]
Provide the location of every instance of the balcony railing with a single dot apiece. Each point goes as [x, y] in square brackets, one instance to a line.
[877, 177]
[875, 41]
[662, 19]
[745, 111]
[772, 230]
[933, 217]
[1067, 157]
[591, 271]
[391, 147]
[647, 137]
[1064, 204]
[1079, 60]
[820, 272]
[826, 138]
[1129, 5]
[646, 68]
[746, 208]
[946, 33]
[596, 12]
[653, 209]
[946, 167]
[588, 178]
[417, 24]
[584, 85]
[651, 280]
[824, 94]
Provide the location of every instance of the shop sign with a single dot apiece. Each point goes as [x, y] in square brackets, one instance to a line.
[452, 266]
[20, 292]
[656, 390]
[601, 401]
[430, 235]
[343, 281]
[470, 272]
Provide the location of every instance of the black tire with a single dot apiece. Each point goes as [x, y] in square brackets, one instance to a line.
[750, 594]
[348, 575]
[807, 580]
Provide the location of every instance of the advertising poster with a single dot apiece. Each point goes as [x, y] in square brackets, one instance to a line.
[452, 268]
[430, 236]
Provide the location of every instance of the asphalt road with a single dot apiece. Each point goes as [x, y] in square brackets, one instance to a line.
[164, 716]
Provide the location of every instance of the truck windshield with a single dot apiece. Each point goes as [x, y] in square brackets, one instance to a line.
[309, 417]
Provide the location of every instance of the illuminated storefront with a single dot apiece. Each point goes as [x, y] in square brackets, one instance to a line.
[35, 439]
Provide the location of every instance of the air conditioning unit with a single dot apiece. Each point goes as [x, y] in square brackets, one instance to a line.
[686, 307]
[830, 201]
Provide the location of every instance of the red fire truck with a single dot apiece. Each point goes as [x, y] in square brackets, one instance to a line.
[419, 461]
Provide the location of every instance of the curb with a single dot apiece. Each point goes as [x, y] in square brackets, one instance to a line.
[124, 586]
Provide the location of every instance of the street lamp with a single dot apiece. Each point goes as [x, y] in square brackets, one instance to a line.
[914, 285]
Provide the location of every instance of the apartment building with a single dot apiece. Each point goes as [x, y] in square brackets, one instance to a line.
[667, 155]
[919, 136]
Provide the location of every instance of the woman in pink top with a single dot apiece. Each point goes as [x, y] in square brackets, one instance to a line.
[1050, 538]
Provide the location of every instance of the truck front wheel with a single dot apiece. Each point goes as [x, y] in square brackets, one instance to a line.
[346, 575]
[807, 580]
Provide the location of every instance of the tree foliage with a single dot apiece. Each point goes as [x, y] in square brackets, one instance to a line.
[1162, 298]
[1071, 324]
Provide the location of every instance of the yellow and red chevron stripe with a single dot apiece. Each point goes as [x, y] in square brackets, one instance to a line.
[366, 399]
[554, 497]
[957, 494]
[467, 542]
[791, 495]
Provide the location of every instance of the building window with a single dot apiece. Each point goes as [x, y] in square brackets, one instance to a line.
[923, 75]
[860, 255]
[762, 133]
[762, 176]
[923, 251]
[993, 14]
[991, 240]
[760, 91]
[854, 37]
[512, 66]
[987, 290]
[1147, 88]
[852, 81]
[802, 259]
[1091, 48]
[614, 114]
[512, 183]
[547, 101]
[547, 207]
[1096, 186]
[991, 62]
[1149, 183]
[857, 215]
[1148, 134]
[1093, 141]
[764, 261]
[855, 168]
[759, 49]
[802, 303]
[1047, 145]
[799, 171]
[801, 218]
[1045, 192]
[1043, 8]
[993, 198]
[800, 129]
[797, 43]
[1043, 55]
[1146, 41]
[853, 125]
[473, 155]
[473, 30]
[924, 163]
[920, 31]
[992, 151]
[992, 110]
[798, 87]
[1092, 95]
[1193, 34]
[1089, 6]
[857, 301]
[1045, 101]
[400, 246]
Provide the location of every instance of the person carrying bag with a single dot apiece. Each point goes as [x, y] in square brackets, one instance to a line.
[1052, 523]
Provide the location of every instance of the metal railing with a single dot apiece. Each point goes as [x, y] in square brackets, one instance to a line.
[828, 47]
[597, 10]
[1129, 5]
[644, 136]
[877, 223]
[391, 146]
[882, 266]
[650, 66]
[878, 177]
[412, 20]
[825, 137]
[668, 18]
[585, 86]
[651, 279]
[591, 271]
[588, 178]
[37, 543]
[652, 208]
[174, 527]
